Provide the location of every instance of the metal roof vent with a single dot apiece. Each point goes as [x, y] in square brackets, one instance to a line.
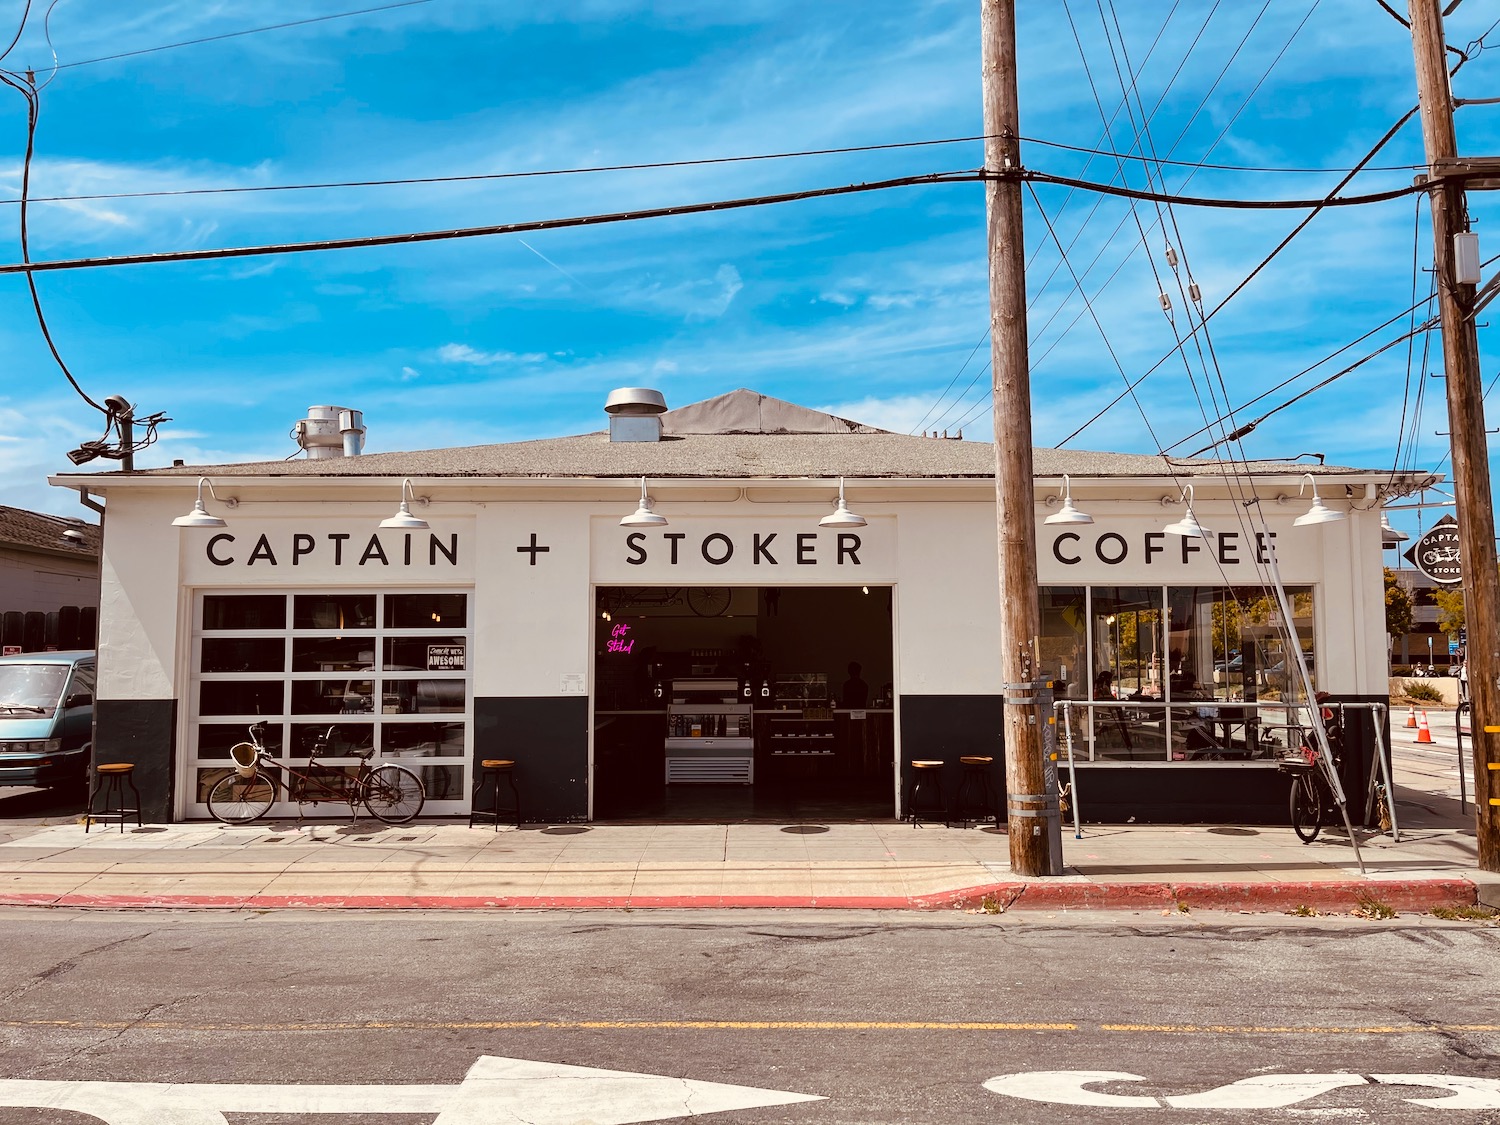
[635, 414]
[331, 431]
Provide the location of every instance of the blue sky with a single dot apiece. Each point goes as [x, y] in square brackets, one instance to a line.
[867, 305]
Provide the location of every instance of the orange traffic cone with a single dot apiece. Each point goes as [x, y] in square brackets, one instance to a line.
[1411, 718]
[1423, 734]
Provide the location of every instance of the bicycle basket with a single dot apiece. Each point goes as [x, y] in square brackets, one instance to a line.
[245, 756]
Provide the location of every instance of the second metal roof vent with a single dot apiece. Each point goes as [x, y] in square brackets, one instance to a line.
[635, 414]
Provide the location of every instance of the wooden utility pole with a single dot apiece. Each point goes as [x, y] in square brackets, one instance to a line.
[1471, 472]
[1027, 811]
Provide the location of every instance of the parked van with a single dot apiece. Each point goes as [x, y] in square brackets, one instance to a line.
[46, 718]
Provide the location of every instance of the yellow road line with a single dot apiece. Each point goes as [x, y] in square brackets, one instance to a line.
[1242, 1029]
[744, 1025]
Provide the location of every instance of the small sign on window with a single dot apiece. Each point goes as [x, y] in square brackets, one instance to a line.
[445, 658]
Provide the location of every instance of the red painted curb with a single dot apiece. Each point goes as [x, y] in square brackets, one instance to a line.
[1411, 895]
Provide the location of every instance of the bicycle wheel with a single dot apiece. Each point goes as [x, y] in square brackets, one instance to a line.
[239, 800]
[393, 794]
[1307, 808]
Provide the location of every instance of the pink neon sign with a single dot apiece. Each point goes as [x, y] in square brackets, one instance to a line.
[617, 641]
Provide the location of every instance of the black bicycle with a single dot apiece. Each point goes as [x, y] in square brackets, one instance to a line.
[391, 793]
[1312, 799]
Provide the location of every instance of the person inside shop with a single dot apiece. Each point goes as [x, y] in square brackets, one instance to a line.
[855, 694]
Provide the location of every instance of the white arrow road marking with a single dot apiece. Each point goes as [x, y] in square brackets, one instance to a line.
[1266, 1091]
[1261, 1091]
[166, 1103]
[1467, 1093]
[1066, 1087]
[500, 1091]
[496, 1091]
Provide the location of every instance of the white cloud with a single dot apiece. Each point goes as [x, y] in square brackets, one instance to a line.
[463, 353]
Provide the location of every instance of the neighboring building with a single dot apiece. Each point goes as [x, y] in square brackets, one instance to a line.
[49, 580]
[1425, 636]
[710, 640]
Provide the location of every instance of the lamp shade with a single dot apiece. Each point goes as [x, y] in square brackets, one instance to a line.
[1069, 512]
[1319, 512]
[199, 516]
[1390, 536]
[403, 520]
[841, 516]
[643, 516]
[1188, 526]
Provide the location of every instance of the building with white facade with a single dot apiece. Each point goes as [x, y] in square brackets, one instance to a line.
[700, 667]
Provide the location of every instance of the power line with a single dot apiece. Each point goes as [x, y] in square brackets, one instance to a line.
[238, 34]
[481, 176]
[479, 232]
[1264, 262]
[1203, 165]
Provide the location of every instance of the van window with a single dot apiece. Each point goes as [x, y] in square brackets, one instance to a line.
[29, 689]
[84, 679]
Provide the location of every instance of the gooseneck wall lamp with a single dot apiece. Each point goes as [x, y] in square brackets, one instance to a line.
[1188, 526]
[1319, 512]
[403, 520]
[199, 516]
[841, 516]
[1067, 513]
[644, 516]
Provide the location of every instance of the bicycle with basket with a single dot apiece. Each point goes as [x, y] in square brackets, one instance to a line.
[390, 793]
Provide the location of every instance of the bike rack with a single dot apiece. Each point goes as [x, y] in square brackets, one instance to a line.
[1464, 708]
[1381, 774]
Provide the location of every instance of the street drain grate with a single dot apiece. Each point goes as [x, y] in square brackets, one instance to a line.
[408, 838]
[805, 829]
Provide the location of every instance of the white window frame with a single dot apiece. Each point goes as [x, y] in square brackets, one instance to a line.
[453, 803]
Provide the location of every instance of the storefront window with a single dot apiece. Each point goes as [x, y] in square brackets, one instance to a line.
[356, 672]
[1177, 673]
[1063, 648]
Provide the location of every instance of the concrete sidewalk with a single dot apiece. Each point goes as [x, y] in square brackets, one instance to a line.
[851, 866]
[838, 865]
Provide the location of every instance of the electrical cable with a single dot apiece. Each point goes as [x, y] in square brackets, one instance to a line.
[1264, 262]
[484, 176]
[20, 30]
[238, 34]
[33, 109]
[413, 237]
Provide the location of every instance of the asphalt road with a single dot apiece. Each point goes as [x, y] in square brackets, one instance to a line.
[889, 1018]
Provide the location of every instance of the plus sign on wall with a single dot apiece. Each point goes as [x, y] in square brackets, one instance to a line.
[533, 549]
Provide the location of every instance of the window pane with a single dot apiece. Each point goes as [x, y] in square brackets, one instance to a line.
[422, 740]
[243, 654]
[1127, 636]
[333, 654]
[244, 611]
[441, 783]
[215, 739]
[426, 654]
[338, 740]
[244, 697]
[423, 611]
[334, 611]
[1062, 642]
[333, 697]
[424, 697]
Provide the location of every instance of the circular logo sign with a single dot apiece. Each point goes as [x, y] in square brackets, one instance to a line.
[1436, 555]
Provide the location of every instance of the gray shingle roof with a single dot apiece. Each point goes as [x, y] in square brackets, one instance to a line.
[757, 437]
[21, 528]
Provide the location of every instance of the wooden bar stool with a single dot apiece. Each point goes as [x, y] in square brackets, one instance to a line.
[111, 778]
[976, 791]
[491, 770]
[925, 789]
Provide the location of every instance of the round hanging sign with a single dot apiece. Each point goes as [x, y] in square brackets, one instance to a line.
[1436, 555]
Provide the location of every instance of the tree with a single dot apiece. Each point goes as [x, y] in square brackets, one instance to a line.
[1397, 607]
[1450, 605]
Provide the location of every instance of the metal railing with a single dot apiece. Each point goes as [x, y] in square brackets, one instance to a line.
[1295, 733]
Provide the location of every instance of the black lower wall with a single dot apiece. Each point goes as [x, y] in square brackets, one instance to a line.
[141, 731]
[944, 727]
[548, 739]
